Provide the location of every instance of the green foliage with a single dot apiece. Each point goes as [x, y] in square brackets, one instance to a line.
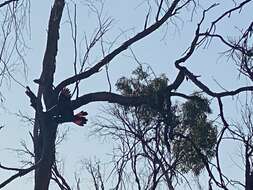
[194, 137]
[141, 84]
[200, 135]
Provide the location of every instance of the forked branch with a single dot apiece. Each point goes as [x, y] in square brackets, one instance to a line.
[96, 68]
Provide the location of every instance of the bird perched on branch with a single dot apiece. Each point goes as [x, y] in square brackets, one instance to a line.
[66, 112]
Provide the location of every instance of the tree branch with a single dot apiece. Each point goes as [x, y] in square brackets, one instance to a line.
[20, 173]
[47, 75]
[118, 50]
[7, 2]
[111, 98]
[59, 179]
[205, 88]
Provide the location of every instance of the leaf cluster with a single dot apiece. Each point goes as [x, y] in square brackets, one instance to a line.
[197, 135]
[142, 84]
[193, 138]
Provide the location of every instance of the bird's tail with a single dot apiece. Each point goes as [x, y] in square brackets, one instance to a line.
[80, 118]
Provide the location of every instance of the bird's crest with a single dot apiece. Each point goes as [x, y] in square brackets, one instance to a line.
[65, 94]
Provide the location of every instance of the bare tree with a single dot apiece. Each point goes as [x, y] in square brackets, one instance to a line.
[14, 26]
[52, 104]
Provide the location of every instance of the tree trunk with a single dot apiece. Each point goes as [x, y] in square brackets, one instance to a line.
[248, 169]
[43, 172]
[44, 145]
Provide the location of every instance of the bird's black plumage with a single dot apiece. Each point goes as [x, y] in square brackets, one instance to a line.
[65, 110]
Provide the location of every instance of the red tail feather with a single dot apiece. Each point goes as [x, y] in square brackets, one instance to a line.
[81, 114]
[79, 122]
[80, 118]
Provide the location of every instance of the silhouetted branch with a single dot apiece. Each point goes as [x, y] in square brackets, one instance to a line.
[48, 69]
[59, 179]
[207, 90]
[111, 98]
[228, 13]
[20, 173]
[33, 98]
[7, 2]
[96, 68]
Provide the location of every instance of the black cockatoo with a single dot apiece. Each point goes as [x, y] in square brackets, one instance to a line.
[65, 110]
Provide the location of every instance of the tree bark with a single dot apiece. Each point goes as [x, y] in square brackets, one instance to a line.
[43, 172]
[45, 131]
[248, 169]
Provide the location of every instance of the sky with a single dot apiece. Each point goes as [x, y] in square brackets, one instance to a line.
[159, 50]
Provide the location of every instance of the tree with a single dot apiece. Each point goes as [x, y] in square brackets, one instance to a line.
[155, 97]
[12, 44]
[171, 139]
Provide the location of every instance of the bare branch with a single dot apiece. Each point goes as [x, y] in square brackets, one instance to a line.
[118, 50]
[109, 97]
[206, 89]
[20, 173]
[59, 179]
[7, 2]
[228, 13]
[47, 75]
[159, 10]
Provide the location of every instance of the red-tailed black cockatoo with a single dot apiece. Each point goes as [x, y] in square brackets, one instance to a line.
[65, 110]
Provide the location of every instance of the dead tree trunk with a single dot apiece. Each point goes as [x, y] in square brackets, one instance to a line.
[45, 128]
[248, 168]
[43, 172]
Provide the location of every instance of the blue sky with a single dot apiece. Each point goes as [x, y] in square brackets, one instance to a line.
[159, 50]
